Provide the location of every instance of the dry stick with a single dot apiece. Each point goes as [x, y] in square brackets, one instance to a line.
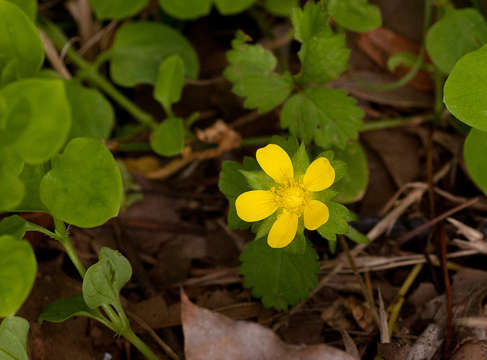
[54, 57]
[449, 300]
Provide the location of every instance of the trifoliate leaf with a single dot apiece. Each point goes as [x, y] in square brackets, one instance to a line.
[454, 35]
[13, 338]
[474, 151]
[310, 21]
[251, 71]
[355, 15]
[327, 116]
[278, 276]
[336, 224]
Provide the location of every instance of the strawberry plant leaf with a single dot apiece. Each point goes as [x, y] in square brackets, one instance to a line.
[64, 309]
[310, 21]
[327, 116]
[188, 9]
[168, 138]
[474, 151]
[355, 15]
[278, 276]
[336, 224]
[115, 9]
[170, 82]
[13, 338]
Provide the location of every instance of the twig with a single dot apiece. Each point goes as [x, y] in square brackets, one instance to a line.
[54, 57]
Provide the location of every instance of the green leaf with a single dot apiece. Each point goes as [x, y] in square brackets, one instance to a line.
[19, 41]
[454, 35]
[12, 189]
[92, 114]
[104, 280]
[290, 144]
[300, 161]
[13, 225]
[18, 269]
[352, 187]
[251, 71]
[327, 116]
[474, 151]
[355, 15]
[338, 222]
[187, 9]
[28, 6]
[170, 82]
[281, 278]
[13, 338]
[229, 7]
[116, 9]
[310, 21]
[258, 180]
[63, 309]
[84, 186]
[46, 126]
[281, 7]
[140, 47]
[15, 121]
[465, 92]
[168, 139]
[31, 177]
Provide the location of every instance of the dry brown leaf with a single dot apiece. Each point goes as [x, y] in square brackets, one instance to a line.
[209, 335]
[361, 313]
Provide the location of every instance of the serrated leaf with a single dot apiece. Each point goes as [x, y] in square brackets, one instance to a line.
[140, 47]
[104, 280]
[13, 338]
[310, 21]
[18, 268]
[170, 82]
[187, 9]
[454, 35]
[116, 9]
[84, 186]
[474, 151]
[279, 277]
[229, 7]
[337, 223]
[300, 161]
[251, 71]
[281, 7]
[465, 91]
[64, 309]
[327, 116]
[13, 225]
[355, 15]
[29, 7]
[168, 138]
[352, 187]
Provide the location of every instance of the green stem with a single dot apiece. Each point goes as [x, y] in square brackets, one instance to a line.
[139, 344]
[395, 122]
[63, 237]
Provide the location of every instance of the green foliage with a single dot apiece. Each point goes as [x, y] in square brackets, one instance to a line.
[310, 21]
[168, 138]
[140, 47]
[337, 224]
[454, 35]
[104, 280]
[251, 70]
[28, 6]
[116, 9]
[327, 116]
[84, 186]
[229, 7]
[31, 177]
[92, 114]
[355, 15]
[352, 187]
[12, 189]
[188, 9]
[281, 7]
[474, 151]
[13, 338]
[465, 91]
[18, 268]
[21, 49]
[278, 276]
[13, 225]
[170, 82]
[63, 309]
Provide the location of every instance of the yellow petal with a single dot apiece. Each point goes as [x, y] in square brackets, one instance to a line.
[319, 175]
[276, 163]
[255, 205]
[283, 230]
[315, 214]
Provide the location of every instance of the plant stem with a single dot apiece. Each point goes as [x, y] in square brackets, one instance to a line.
[139, 344]
[395, 122]
[63, 238]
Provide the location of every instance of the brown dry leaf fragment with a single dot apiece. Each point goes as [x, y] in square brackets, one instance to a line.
[209, 335]
[361, 313]
[336, 316]
[220, 133]
[141, 165]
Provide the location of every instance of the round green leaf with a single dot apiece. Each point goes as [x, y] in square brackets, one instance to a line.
[140, 47]
[28, 6]
[18, 268]
[474, 151]
[13, 338]
[355, 15]
[168, 139]
[84, 186]
[456, 34]
[281, 7]
[49, 117]
[170, 82]
[228, 7]
[116, 9]
[188, 9]
[19, 41]
[92, 114]
[465, 92]
[11, 192]
[352, 187]
[31, 177]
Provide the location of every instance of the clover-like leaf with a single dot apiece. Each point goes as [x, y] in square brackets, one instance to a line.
[465, 91]
[104, 280]
[251, 71]
[63, 309]
[188, 9]
[84, 186]
[454, 35]
[170, 82]
[13, 338]
[355, 15]
[327, 116]
[18, 268]
[116, 9]
[168, 138]
[474, 151]
[28, 6]
[140, 47]
[278, 276]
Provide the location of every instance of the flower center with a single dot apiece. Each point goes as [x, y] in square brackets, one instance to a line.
[292, 197]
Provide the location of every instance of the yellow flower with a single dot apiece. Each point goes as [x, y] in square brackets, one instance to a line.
[292, 197]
